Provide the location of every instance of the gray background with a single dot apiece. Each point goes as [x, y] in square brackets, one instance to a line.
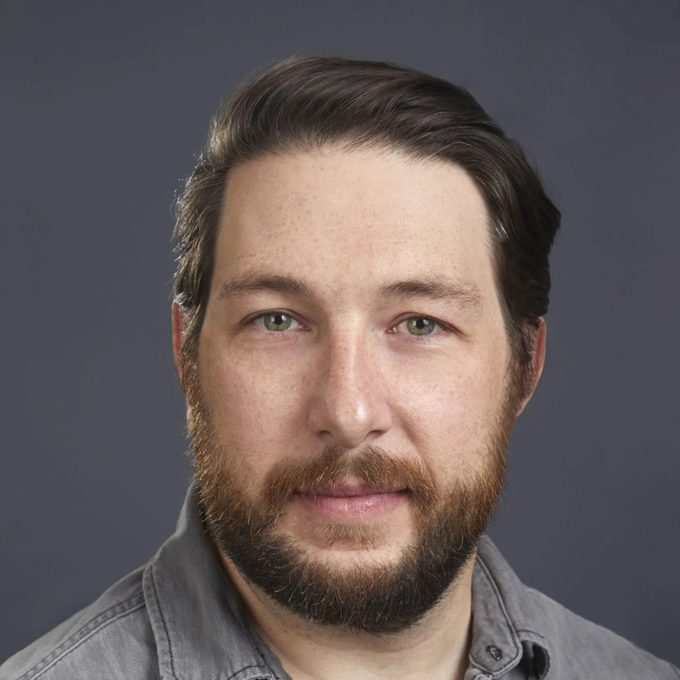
[103, 109]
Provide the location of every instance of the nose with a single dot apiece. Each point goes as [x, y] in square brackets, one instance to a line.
[348, 405]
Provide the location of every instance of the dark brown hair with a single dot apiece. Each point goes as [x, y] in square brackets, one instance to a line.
[305, 103]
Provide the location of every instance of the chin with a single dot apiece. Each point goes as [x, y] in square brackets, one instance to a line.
[352, 543]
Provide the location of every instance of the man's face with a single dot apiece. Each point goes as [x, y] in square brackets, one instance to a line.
[353, 390]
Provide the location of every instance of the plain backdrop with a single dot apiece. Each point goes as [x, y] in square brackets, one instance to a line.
[103, 109]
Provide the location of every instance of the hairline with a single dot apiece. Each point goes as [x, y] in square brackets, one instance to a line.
[357, 140]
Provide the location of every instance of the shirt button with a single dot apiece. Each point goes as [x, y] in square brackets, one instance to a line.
[494, 652]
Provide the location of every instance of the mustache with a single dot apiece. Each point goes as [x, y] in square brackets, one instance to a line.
[372, 465]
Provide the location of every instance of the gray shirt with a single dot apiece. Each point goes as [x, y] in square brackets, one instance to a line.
[179, 618]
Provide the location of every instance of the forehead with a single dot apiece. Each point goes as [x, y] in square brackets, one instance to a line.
[350, 220]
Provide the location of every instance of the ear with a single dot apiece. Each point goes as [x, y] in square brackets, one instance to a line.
[538, 341]
[178, 330]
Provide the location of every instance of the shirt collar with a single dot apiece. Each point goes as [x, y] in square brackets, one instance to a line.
[201, 630]
[507, 628]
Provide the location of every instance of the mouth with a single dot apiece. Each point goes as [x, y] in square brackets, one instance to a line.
[350, 500]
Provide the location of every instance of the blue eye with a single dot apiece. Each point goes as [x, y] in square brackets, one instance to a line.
[420, 325]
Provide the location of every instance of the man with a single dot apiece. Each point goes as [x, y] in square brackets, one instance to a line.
[358, 321]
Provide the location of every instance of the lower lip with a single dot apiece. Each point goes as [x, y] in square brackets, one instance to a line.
[351, 507]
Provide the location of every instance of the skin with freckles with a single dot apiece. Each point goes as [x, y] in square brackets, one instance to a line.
[353, 311]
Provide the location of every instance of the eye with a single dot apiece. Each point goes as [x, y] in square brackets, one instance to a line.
[420, 326]
[276, 322]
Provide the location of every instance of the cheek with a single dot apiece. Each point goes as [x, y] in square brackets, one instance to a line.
[254, 405]
[449, 413]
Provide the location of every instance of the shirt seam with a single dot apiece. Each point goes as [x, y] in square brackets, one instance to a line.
[163, 622]
[246, 668]
[533, 632]
[513, 634]
[265, 663]
[83, 634]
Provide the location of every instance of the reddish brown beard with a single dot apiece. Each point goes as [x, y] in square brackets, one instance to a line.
[379, 600]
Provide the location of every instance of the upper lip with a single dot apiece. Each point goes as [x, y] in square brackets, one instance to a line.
[348, 489]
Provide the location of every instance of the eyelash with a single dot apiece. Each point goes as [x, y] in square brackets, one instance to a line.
[442, 326]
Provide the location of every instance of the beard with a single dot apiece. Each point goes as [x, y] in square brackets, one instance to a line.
[370, 597]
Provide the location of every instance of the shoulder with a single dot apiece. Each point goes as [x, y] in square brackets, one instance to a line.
[91, 643]
[582, 649]
[552, 640]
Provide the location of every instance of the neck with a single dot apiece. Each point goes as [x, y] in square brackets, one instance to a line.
[437, 647]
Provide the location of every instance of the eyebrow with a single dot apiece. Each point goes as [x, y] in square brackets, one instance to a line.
[438, 289]
[257, 283]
